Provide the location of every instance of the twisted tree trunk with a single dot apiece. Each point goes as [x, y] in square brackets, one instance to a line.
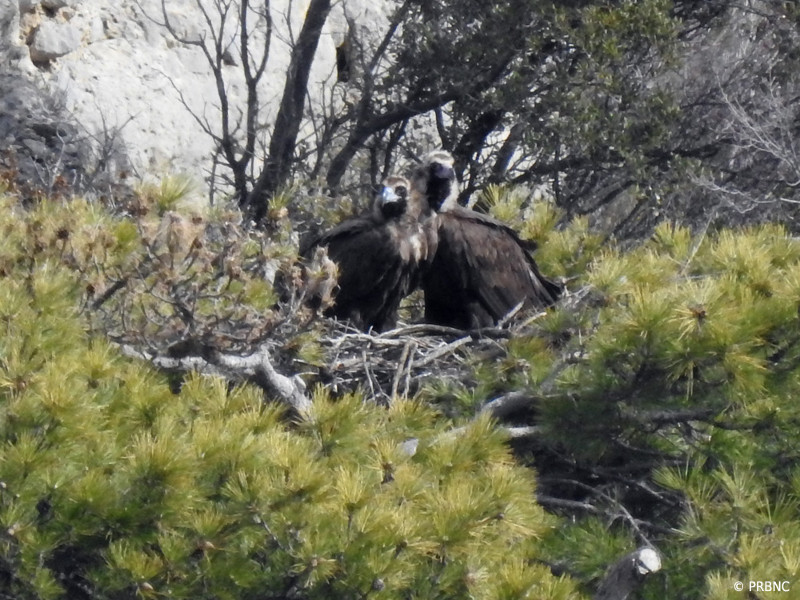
[277, 166]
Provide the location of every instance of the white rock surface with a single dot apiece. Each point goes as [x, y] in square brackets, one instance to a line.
[56, 4]
[9, 22]
[28, 5]
[52, 40]
[122, 74]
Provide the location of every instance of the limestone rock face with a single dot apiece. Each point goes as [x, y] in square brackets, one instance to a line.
[28, 5]
[47, 150]
[9, 22]
[52, 40]
[121, 77]
[56, 4]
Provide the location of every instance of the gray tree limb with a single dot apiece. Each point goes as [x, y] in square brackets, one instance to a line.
[256, 368]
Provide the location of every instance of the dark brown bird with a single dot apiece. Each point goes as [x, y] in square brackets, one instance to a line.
[628, 573]
[481, 270]
[378, 256]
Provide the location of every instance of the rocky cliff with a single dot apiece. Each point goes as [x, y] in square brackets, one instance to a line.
[92, 91]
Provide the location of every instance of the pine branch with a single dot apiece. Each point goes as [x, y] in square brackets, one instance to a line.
[516, 433]
[660, 418]
[508, 403]
[569, 505]
[256, 368]
[108, 293]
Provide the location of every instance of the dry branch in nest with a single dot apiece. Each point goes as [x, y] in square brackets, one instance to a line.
[392, 364]
[385, 367]
[218, 298]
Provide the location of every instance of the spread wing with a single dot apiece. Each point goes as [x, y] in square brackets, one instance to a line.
[481, 272]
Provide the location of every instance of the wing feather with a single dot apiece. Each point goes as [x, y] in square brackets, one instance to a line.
[374, 274]
[342, 231]
[481, 271]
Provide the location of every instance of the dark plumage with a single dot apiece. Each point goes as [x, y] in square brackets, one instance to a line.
[628, 573]
[481, 270]
[378, 256]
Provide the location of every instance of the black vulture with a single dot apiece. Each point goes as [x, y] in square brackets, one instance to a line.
[481, 270]
[378, 257]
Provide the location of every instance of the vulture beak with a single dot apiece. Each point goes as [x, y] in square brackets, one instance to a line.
[388, 196]
[390, 203]
[443, 172]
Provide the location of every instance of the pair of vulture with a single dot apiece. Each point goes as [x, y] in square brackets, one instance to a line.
[472, 269]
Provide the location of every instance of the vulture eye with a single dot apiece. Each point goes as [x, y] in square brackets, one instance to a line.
[401, 191]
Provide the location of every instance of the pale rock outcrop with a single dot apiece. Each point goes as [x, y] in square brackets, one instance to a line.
[9, 23]
[53, 40]
[28, 5]
[38, 140]
[123, 78]
[56, 4]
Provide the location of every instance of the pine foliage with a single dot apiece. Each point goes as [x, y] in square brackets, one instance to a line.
[663, 393]
[655, 404]
[112, 486]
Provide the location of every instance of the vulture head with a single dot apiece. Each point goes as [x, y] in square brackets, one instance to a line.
[628, 573]
[392, 200]
[435, 180]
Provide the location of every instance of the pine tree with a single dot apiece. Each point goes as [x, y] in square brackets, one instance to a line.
[662, 399]
[113, 486]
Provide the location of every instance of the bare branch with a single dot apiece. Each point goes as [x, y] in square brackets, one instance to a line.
[256, 368]
[508, 403]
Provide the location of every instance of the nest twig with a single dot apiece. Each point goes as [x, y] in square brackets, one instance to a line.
[393, 364]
